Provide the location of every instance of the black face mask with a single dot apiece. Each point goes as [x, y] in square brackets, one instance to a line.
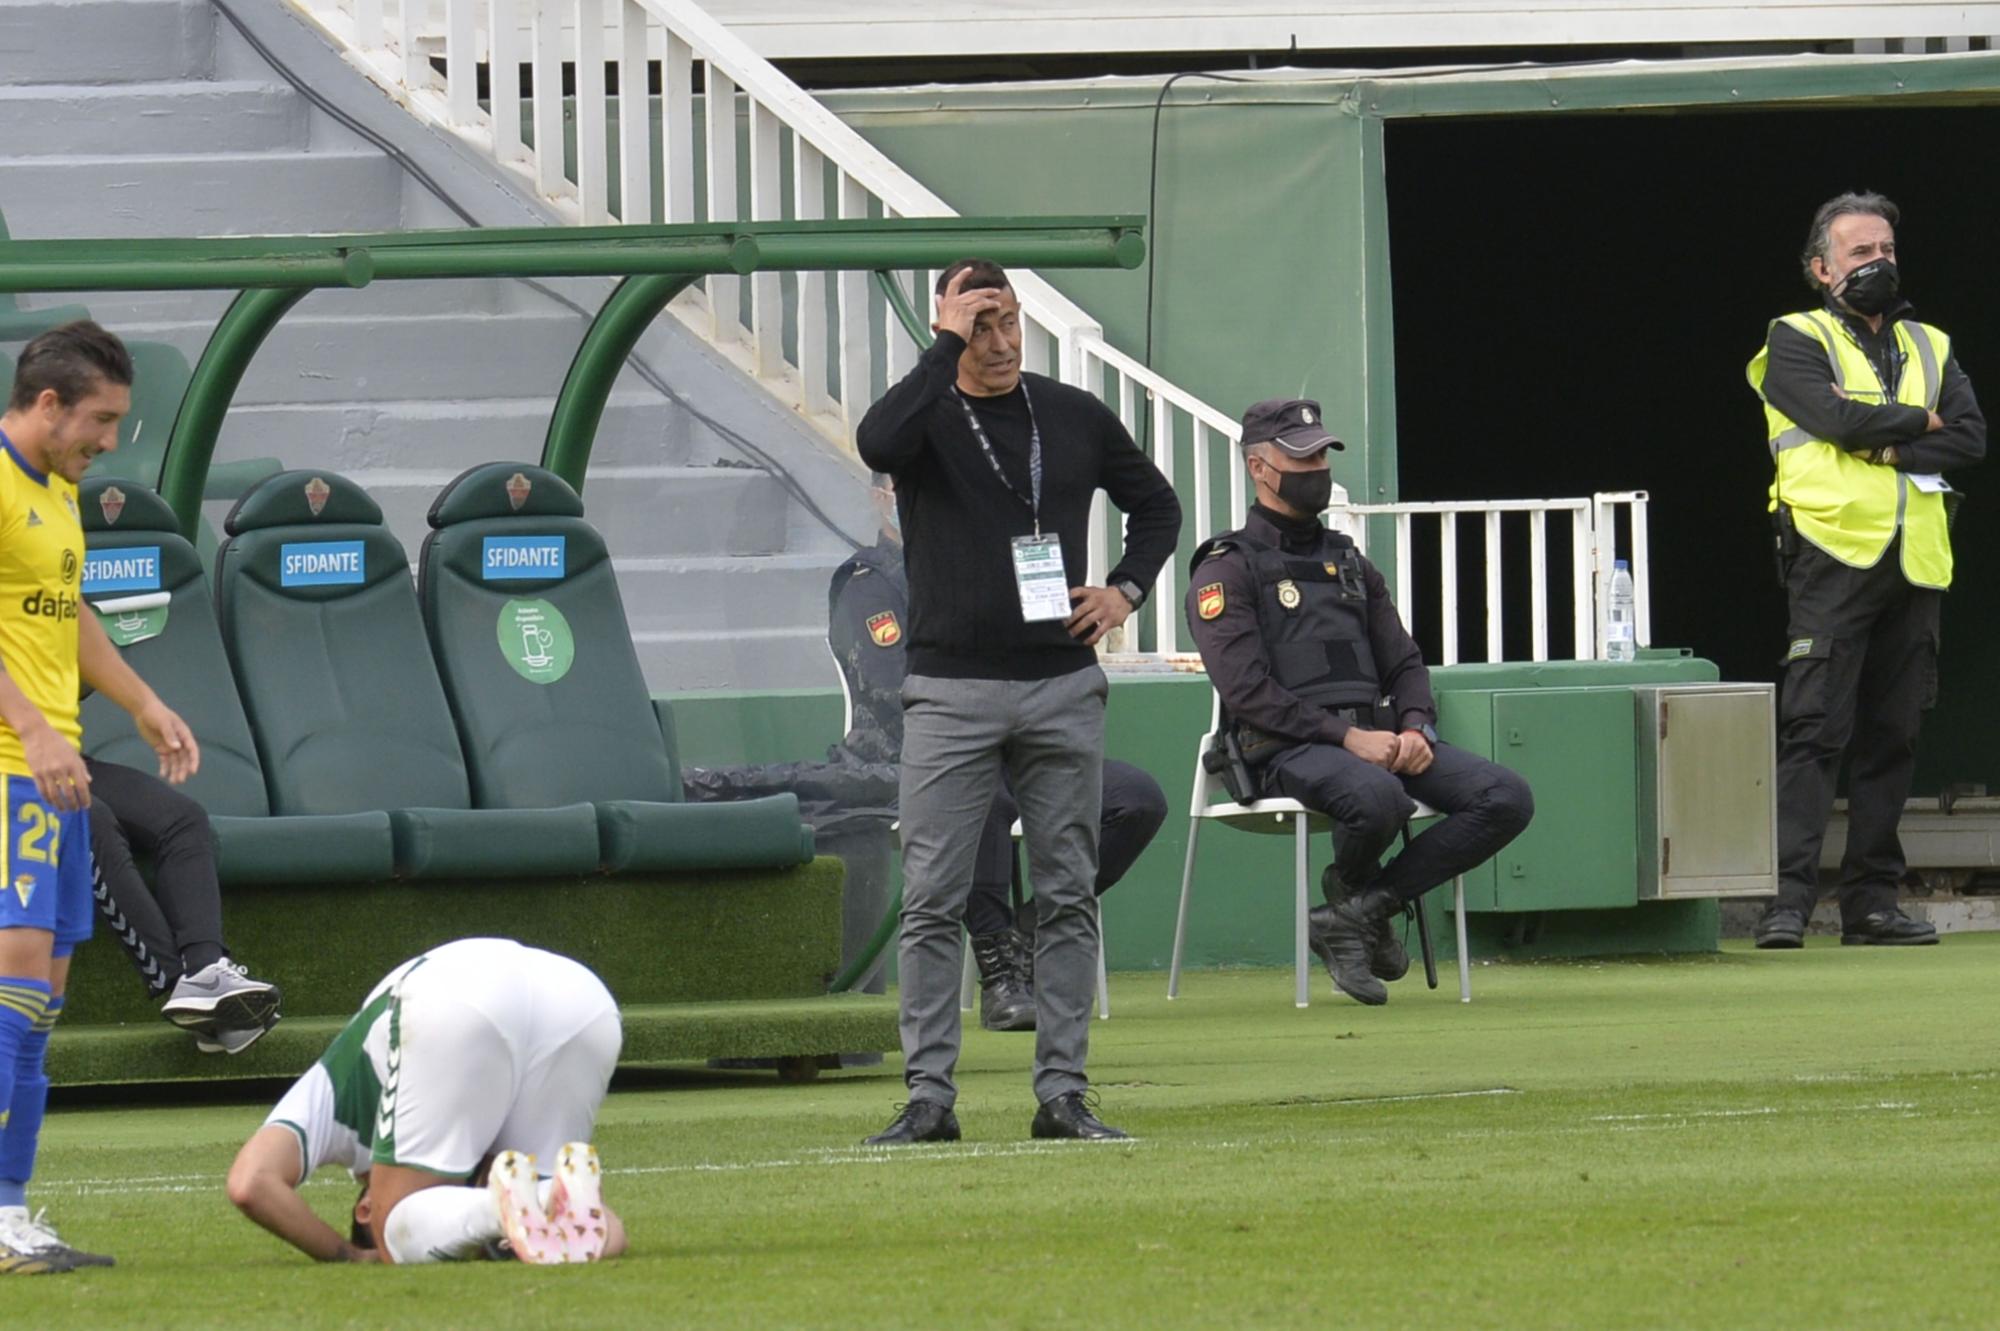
[1870, 289]
[1308, 492]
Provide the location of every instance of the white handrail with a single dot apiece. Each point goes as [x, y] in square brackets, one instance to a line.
[843, 351]
[825, 157]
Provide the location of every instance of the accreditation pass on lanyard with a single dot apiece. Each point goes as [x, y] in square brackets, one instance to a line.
[1038, 559]
[1038, 571]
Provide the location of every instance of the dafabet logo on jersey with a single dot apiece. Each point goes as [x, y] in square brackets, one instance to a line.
[51, 605]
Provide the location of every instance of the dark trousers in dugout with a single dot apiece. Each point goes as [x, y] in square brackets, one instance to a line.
[1485, 806]
[1860, 672]
[1133, 810]
[175, 926]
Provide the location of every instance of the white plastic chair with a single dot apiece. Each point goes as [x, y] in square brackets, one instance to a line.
[1211, 803]
[969, 987]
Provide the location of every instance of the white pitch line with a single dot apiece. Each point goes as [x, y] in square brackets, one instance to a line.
[819, 1157]
[1352, 1101]
[1762, 1110]
[906, 1155]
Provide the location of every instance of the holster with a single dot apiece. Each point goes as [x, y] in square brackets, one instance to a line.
[1224, 759]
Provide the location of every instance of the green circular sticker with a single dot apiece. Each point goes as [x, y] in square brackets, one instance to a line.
[535, 639]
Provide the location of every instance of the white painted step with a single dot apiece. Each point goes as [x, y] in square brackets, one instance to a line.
[441, 437]
[793, 658]
[443, 354]
[200, 194]
[41, 120]
[683, 594]
[105, 41]
[640, 510]
[120, 310]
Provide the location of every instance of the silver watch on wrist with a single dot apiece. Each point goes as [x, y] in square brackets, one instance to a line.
[1131, 591]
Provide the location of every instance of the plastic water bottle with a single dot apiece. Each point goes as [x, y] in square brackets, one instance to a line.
[1621, 629]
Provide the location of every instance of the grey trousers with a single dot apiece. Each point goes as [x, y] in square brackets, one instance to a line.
[957, 734]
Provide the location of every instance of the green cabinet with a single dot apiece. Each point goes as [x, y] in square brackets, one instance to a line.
[1577, 749]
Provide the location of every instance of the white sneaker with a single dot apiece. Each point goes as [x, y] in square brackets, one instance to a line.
[515, 1190]
[221, 996]
[228, 1041]
[31, 1238]
[576, 1203]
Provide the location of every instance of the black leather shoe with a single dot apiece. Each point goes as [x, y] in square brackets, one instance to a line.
[1071, 1116]
[917, 1121]
[1388, 959]
[1344, 937]
[1889, 928]
[1005, 1003]
[1781, 927]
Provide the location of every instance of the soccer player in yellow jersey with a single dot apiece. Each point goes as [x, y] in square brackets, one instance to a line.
[71, 388]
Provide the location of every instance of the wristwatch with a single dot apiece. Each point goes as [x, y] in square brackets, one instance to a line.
[1428, 731]
[1131, 591]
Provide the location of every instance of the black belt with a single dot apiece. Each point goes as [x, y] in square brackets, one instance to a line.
[1258, 745]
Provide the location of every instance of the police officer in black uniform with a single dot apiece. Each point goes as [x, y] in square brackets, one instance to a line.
[1327, 701]
[868, 605]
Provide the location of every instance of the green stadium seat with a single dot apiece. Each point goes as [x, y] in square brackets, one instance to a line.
[144, 582]
[322, 629]
[535, 653]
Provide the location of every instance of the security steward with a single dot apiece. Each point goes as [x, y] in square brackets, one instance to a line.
[1865, 408]
[868, 602]
[1326, 700]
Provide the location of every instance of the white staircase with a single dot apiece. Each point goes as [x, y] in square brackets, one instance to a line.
[825, 345]
[136, 118]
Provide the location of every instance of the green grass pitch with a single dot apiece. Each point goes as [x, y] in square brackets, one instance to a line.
[1745, 1140]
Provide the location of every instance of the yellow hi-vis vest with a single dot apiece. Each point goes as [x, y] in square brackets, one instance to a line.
[1847, 506]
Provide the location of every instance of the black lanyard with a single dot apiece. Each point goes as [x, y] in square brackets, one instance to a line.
[1033, 499]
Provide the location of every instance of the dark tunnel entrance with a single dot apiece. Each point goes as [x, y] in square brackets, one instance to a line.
[1575, 301]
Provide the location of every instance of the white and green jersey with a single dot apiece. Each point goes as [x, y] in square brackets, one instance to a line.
[333, 1108]
[508, 1048]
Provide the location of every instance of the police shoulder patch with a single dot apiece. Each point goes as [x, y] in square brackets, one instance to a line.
[884, 629]
[1208, 601]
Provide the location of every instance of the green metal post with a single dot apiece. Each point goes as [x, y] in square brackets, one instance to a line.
[899, 305]
[190, 448]
[624, 318]
[1067, 247]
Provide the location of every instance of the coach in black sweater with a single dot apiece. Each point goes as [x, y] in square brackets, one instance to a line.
[994, 473]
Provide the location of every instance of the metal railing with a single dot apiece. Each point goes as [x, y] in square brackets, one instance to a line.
[1593, 528]
[1195, 447]
[752, 146]
[273, 273]
[755, 146]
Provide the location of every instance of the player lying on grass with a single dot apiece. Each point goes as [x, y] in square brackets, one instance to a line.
[480, 1050]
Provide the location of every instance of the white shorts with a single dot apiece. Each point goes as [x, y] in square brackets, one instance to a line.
[492, 1046]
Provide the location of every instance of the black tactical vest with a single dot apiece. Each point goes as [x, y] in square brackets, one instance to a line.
[1312, 613]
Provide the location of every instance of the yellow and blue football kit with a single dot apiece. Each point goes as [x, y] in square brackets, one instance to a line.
[44, 852]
